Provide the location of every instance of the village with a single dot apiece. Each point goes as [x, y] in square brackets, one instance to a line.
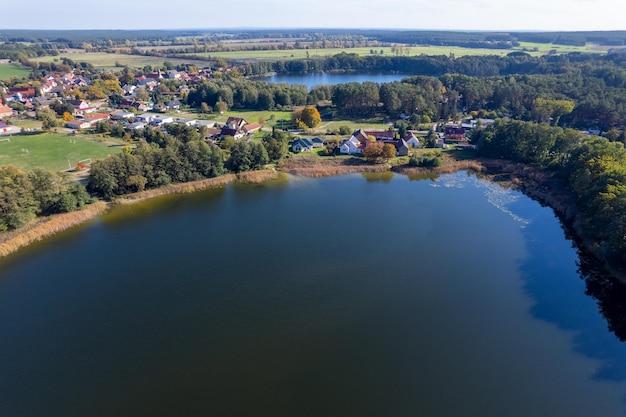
[132, 108]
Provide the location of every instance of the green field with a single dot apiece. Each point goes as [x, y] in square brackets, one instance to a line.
[103, 60]
[8, 71]
[270, 55]
[252, 116]
[52, 150]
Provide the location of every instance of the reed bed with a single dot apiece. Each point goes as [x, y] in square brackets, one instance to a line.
[193, 186]
[182, 188]
[444, 169]
[44, 227]
[255, 177]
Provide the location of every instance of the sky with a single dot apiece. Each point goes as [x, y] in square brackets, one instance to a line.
[498, 15]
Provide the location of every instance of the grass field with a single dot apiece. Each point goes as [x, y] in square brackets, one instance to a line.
[102, 60]
[53, 150]
[8, 71]
[269, 55]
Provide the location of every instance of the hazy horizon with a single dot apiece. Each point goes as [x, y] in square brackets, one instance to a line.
[482, 15]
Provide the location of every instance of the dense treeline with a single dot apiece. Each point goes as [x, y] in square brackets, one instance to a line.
[241, 93]
[152, 166]
[576, 90]
[593, 169]
[26, 195]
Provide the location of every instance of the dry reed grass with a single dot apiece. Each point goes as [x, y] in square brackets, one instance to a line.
[193, 186]
[44, 227]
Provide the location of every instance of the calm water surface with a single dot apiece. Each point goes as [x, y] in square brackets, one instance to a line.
[330, 78]
[347, 296]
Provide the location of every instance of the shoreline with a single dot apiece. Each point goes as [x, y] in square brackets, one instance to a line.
[538, 185]
[45, 227]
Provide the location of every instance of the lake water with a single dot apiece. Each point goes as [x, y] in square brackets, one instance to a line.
[330, 78]
[362, 295]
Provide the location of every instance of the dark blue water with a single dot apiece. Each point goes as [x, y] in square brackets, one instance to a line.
[332, 297]
[329, 78]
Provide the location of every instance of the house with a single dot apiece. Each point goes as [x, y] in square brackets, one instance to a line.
[160, 107]
[454, 135]
[143, 106]
[43, 102]
[121, 115]
[317, 142]
[81, 107]
[213, 133]
[250, 128]
[93, 119]
[5, 111]
[235, 123]
[301, 145]
[173, 104]
[411, 140]
[23, 92]
[402, 148]
[162, 120]
[380, 134]
[236, 133]
[146, 117]
[186, 122]
[352, 146]
[136, 125]
[78, 124]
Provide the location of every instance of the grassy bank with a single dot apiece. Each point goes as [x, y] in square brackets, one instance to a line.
[45, 227]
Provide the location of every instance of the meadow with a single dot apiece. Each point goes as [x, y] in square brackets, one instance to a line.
[106, 61]
[113, 61]
[52, 151]
[8, 71]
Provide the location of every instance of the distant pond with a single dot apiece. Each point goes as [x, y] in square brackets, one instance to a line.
[331, 78]
[362, 295]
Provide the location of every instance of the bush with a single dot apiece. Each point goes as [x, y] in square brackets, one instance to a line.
[427, 160]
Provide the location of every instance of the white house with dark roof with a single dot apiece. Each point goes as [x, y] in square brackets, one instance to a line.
[301, 145]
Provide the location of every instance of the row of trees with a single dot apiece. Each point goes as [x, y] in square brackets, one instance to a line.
[153, 166]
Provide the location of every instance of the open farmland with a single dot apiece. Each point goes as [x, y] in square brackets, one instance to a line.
[286, 54]
[53, 150]
[103, 60]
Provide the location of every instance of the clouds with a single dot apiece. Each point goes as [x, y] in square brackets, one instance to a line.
[362, 14]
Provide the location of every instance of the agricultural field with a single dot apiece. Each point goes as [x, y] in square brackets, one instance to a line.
[270, 55]
[8, 71]
[105, 61]
[53, 150]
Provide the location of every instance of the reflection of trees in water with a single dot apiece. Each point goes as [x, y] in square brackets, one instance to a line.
[558, 302]
[610, 293]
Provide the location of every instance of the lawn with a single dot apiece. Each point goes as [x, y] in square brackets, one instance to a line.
[53, 150]
[8, 71]
[252, 116]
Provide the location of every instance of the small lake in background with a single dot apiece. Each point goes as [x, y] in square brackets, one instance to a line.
[361, 295]
[331, 78]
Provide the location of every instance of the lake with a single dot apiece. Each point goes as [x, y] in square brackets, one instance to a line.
[331, 78]
[365, 295]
